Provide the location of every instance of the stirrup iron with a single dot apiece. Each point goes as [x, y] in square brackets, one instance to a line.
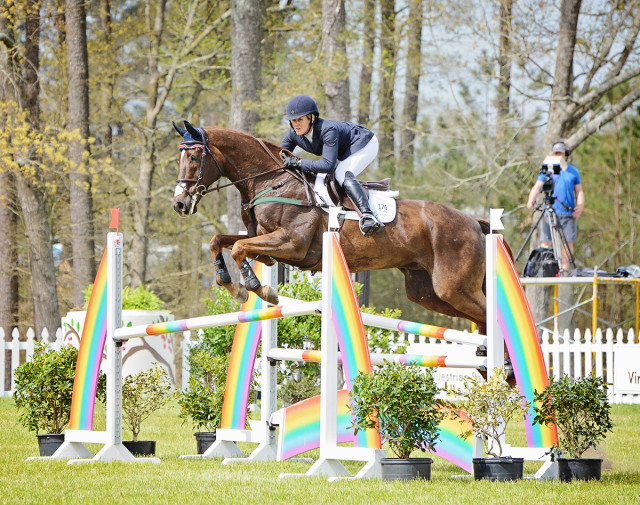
[369, 224]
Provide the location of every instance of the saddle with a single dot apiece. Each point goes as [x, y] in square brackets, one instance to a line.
[339, 196]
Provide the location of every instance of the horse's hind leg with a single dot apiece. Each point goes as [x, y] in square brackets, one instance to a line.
[419, 288]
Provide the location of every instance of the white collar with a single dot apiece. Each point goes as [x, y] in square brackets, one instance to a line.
[310, 135]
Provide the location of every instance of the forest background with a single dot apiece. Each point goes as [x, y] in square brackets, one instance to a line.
[466, 97]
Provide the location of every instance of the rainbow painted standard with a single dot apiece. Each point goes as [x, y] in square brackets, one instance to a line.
[94, 334]
[520, 335]
[243, 354]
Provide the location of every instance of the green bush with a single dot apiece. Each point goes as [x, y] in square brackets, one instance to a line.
[219, 340]
[301, 331]
[489, 405]
[381, 340]
[202, 401]
[400, 401]
[579, 408]
[294, 391]
[142, 394]
[44, 388]
[140, 298]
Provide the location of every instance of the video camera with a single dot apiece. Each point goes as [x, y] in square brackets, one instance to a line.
[551, 165]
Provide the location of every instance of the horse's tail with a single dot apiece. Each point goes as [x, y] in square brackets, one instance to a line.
[486, 229]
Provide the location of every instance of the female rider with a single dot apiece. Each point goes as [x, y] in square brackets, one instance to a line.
[346, 150]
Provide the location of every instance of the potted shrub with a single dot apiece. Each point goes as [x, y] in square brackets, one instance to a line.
[202, 401]
[489, 405]
[142, 394]
[580, 410]
[44, 387]
[400, 402]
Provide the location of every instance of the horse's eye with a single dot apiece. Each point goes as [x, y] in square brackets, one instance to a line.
[193, 157]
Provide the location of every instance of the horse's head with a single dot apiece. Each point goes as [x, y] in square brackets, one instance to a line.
[197, 169]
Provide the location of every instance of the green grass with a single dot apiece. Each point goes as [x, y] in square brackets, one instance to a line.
[189, 482]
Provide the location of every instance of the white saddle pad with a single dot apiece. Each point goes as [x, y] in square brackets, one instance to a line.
[381, 202]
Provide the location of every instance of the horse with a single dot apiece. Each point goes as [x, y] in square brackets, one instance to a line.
[440, 250]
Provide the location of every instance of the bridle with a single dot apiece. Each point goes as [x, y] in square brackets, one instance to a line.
[201, 189]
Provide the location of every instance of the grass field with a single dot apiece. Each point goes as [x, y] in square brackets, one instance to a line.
[187, 482]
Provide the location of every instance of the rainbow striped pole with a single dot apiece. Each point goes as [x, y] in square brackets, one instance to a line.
[196, 323]
[314, 356]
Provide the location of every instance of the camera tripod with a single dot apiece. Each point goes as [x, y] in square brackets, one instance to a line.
[558, 238]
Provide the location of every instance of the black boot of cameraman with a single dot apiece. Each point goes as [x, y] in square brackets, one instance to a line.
[369, 223]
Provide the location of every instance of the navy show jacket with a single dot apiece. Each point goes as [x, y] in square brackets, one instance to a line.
[333, 140]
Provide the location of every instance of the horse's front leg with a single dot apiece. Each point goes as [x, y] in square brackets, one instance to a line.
[223, 277]
[278, 244]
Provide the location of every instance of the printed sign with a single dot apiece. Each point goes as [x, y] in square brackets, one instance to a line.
[626, 366]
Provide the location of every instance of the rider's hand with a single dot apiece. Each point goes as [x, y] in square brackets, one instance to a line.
[293, 163]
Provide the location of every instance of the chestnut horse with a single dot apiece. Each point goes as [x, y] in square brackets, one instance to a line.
[440, 251]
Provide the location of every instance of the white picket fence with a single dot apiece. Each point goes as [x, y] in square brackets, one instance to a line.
[20, 350]
[575, 354]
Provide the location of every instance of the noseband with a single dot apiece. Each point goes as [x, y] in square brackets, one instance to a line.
[199, 189]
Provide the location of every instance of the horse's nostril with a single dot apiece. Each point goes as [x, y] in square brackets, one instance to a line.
[178, 206]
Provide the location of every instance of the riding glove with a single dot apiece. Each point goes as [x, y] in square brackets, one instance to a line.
[293, 163]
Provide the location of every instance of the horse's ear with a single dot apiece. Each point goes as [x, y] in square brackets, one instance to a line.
[181, 131]
[196, 134]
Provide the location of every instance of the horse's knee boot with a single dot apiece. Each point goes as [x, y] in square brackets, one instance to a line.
[222, 272]
[250, 279]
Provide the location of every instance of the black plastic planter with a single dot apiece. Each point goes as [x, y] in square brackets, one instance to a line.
[579, 469]
[204, 439]
[49, 443]
[141, 447]
[406, 469]
[498, 468]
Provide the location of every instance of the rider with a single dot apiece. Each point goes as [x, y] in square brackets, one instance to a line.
[346, 150]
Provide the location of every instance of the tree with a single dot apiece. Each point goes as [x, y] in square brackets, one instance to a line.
[412, 81]
[504, 68]
[81, 201]
[596, 45]
[30, 186]
[8, 213]
[336, 84]
[368, 44]
[388, 51]
[246, 78]
[166, 56]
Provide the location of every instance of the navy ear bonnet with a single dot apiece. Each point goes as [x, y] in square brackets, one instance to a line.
[191, 136]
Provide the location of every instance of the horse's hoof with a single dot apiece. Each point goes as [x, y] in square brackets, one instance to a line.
[268, 294]
[242, 295]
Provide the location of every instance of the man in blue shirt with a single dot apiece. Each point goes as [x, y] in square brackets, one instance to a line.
[346, 149]
[569, 199]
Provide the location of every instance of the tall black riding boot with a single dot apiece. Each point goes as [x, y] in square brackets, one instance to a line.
[369, 223]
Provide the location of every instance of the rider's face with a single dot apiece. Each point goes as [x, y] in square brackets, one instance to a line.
[301, 125]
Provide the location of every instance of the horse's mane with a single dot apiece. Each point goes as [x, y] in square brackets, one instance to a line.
[222, 130]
